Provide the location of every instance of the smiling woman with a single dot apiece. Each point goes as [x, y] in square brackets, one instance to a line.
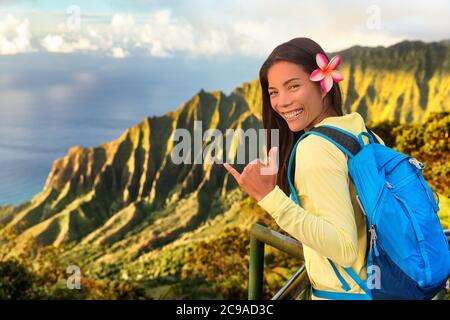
[328, 220]
[290, 97]
[363, 211]
[298, 100]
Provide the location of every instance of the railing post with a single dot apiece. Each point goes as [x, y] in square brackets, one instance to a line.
[256, 267]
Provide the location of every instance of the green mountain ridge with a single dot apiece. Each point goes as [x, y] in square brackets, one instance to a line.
[125, 202]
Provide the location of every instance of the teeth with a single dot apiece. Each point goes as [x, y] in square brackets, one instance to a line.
[292, 114]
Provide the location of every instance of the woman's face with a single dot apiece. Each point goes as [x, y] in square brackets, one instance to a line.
[294, 97]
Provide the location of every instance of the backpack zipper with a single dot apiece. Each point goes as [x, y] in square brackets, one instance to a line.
[419, 165]
[372, 231]
[373, 239]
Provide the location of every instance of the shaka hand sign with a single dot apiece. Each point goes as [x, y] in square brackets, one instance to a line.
[257, 178]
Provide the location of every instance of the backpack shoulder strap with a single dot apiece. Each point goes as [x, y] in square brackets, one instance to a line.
[344, 140]
[349, 144]
[375, 139]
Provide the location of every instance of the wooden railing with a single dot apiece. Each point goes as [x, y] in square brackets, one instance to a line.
[296, 286]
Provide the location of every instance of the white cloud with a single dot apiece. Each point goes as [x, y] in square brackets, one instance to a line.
[258, 26]
[216, 42]
[217, 28]
[56, 43]
[160, 34]
[14, 35]
[84, 44]
[119, 53]
[122, 23]
[163, 34]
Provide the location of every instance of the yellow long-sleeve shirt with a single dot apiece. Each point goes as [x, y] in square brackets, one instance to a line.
[329, 223]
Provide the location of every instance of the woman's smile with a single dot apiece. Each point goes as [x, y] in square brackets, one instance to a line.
[292, 115]
[294, 97]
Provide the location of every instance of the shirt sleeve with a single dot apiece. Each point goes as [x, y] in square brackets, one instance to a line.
[325, 220]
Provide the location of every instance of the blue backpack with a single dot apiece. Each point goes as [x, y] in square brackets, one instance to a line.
[408, 254]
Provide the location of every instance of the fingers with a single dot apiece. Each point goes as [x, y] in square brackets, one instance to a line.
[272, 167]
[238, 176]
[255, 164]
[233, 172]
[273, 157]
[256, 161]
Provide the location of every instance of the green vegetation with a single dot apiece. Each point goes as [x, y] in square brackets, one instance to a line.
[139, 226]
[38, 272]
[207, 262]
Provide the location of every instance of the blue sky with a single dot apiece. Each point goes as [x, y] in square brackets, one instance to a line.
[81, 79]
[121, 28]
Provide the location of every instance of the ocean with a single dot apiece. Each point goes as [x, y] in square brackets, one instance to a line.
[51, 102]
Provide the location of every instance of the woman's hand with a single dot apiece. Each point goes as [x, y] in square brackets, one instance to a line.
[258, 178]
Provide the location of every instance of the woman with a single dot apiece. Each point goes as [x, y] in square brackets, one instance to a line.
[329, 223]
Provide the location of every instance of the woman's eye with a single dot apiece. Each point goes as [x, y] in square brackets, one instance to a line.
[294, 86]
[272, 93]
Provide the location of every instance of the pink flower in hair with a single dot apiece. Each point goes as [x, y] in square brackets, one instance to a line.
[326, 73]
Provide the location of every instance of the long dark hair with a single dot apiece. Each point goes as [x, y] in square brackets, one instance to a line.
[301, 51]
